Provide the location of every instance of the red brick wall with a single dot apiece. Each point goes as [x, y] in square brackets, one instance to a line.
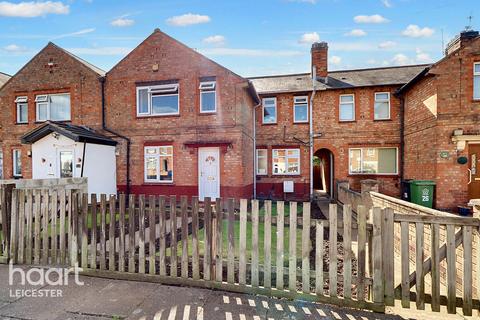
[232, 123]
[427, 135]
[284, 134]
[67, 75]
[338, 136]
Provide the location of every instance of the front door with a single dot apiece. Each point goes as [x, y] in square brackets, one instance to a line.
[474, 171]
[208, 173]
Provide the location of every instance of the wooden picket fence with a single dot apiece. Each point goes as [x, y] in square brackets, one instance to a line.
[249, 246]
[267, 248]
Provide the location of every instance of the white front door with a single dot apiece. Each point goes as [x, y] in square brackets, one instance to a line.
[208, 173]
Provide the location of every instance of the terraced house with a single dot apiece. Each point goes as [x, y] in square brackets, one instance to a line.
[171, 121]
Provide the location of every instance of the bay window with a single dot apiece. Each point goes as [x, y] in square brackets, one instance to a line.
[373, 161]
[55, 107]
[262, 161]
[269, 114]
[382, 106]
[476, 81]
[159, 164]
[22, 109]
[300, 109]
[347, 107]
[208, 97]
[158, 100]
[286, 161]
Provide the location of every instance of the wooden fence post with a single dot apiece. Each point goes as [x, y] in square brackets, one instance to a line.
[388, 256]
[74, 229]
[6, 207]
[378, 280]
[13, 227]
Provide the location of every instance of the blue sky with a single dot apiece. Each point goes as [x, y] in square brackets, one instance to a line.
[249, 37]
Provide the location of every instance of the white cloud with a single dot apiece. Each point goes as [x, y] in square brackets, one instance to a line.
[375, 18]
[336, 60]
[250, 52]
[13, 48]
[387, 3]
[217, 40]
[400, 59]
[74, 34]
[122, 22]
[309, 38]
[422, 57]
[187, 20]
[101, 51]
[387, 44]
[356, 33]
[32, 9]
[415, 31]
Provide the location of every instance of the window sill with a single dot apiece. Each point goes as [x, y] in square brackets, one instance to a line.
[380, 120]
[207, 113]
[300, 122]
[286, 175]
[158, 116]
[269, 124]
[158, 183]
[21, 123]
[346, 121]
[43, 121]
[380, 175]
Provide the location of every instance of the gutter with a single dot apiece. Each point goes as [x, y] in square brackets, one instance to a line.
[310, 118]
[104, 127]
[402, 138]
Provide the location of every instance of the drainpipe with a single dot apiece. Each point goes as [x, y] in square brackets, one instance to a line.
[104, 127]
[314, 78]
[83, 158]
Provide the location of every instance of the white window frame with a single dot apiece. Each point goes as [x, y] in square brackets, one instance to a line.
[45, 99]
[157, 155]
[382, 100]
[21, 101]
[257, 162]
[475, 74]
[17, 155]
[286, 162]
[361, 162]
[263, 110]
[340, 103]
[208, 87]
[296, 102]
[164, 89]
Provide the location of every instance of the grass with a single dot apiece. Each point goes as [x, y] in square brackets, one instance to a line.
[286, 211]
[261, 246]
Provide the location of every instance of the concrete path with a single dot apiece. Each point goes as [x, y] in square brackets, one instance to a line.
[115, 299]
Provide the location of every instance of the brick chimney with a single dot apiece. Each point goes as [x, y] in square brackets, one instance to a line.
[320, 58]
[460, 40]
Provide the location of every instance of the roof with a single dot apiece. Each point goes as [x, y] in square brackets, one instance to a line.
[76, 133]
[337, 79]
[85, 63]
[3, 78]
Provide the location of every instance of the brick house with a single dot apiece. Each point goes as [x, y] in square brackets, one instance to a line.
[54, 86]
[355, 130]
[442, 132]
[188, 122]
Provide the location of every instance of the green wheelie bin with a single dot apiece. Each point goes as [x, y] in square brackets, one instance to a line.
[421, 192]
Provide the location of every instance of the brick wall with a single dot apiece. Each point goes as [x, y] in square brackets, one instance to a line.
[338, 136]
[65, 74]
[159, 58]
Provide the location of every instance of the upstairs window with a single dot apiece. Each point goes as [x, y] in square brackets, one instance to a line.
[373, 161]
[269, 110]
[22, 109]
[262, 161]
[55, 107]
[159, 164]
[300, 109]
[476, 81]
[286, 161]
[347, 107]
[17, 163]
[158, 100]
[208, 97]
[382, 106]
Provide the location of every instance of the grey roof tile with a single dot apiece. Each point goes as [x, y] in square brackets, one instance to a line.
[3, 78]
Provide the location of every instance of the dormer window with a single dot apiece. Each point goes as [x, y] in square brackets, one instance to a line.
[158, 100]
[208, 97]
[22, 109]
[55, 107]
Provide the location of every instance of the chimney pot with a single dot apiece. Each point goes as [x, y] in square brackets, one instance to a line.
[319, 54]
